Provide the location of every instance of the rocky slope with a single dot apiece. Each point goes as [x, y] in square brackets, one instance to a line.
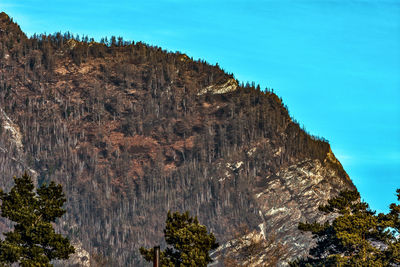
[132, 131]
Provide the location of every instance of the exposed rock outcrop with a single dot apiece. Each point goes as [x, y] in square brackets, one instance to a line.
[229, 86]
[13, 129]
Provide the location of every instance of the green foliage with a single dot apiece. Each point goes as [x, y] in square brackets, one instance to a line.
[357, 237]
[189, 243]
[33, 241]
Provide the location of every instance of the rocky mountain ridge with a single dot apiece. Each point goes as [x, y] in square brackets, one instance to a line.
[132, 131]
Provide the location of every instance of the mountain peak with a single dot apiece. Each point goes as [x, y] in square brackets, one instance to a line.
[9, 26]
[4, 16]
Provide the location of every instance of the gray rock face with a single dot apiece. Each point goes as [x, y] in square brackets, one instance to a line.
[291, 195]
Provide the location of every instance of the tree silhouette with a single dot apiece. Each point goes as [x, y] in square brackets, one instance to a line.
[33, 241]
[189, 243]
[357, 237]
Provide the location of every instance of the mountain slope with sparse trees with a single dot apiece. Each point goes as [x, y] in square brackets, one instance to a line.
[132, 131]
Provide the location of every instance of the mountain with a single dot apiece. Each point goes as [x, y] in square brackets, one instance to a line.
[132, 131]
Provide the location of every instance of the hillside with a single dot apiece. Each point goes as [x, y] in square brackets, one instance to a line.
[132, 131]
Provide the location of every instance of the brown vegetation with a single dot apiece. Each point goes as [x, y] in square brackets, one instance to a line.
[122, 127]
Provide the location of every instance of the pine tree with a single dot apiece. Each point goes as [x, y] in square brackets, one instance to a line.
[189, 243]
[392, 252]
[357, 237]
[34, 241]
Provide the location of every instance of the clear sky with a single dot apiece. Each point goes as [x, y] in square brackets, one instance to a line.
[336, 64]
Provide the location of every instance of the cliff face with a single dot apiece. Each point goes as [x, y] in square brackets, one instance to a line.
[132, 131]
[288, 196]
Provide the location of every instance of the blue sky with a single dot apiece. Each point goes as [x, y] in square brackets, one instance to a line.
[336, 64]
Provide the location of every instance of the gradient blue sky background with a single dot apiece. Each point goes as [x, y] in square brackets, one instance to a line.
[336, 64]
